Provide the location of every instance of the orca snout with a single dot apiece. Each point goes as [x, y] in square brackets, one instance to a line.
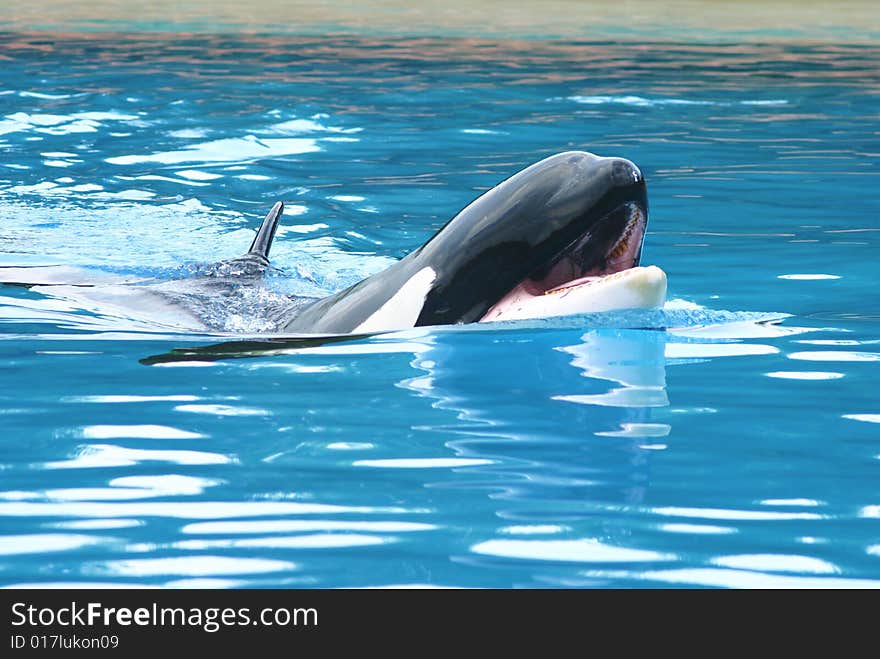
[624, 173]
[615, 172]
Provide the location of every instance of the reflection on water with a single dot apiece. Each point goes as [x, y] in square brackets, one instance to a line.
[684, 447]
[558, 430]
[580, 19]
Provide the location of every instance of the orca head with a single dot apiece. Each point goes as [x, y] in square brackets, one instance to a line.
[558, 226]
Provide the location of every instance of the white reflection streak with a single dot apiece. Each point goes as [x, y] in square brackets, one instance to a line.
[135, 487]
[702, 529]
[805, 375]
[297, 525]
[586, 550]
[866, 418]
[119, 398]
[777, 563]
[222, 410]
[835, 356]
[314, 541]
[45, 542]
[721, 513]
[422, 463]
[192, 566]
[185, 509]
[108, 455]
[96, 524]
[231, 149]
[138, 432]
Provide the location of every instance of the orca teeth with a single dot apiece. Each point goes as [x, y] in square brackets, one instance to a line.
[587, 281]
[632, 233]
[581, 281]
[622, 243]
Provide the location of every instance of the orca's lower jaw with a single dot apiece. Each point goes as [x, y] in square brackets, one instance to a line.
[571, 282]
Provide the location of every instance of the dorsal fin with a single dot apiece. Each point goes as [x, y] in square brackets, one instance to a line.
[263, 241]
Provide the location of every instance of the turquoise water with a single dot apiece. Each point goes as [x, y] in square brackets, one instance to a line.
[697, 447]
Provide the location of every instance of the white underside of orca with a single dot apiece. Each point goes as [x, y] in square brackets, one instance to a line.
[634, 288]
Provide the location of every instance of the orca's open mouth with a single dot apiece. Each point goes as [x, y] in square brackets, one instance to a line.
[612, 246]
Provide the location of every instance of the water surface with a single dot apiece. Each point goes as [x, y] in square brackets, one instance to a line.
[708, 451]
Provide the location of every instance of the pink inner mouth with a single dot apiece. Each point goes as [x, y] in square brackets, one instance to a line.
[568, 273]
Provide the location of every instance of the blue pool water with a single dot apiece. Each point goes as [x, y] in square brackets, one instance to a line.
[720, 451]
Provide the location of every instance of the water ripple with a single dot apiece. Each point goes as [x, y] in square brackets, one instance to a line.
[585, 550]
[186, 510]
[109, 455]
[191, 566]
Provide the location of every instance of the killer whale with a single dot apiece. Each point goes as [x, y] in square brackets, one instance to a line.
[563, 236]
